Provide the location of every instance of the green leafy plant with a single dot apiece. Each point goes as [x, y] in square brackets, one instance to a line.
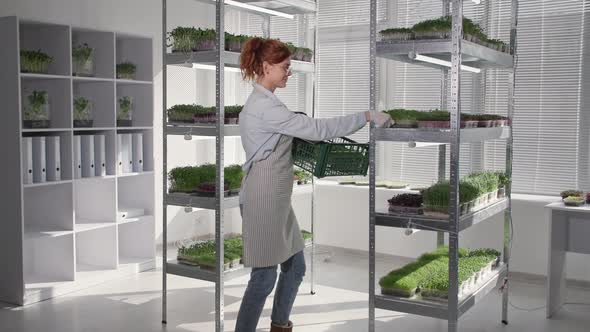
[188, 179]
[306, 235]
[203, 252]
[82, 108]
[571, 193]
[301, 176]
[233, 176]
[82, 53]
[183, 39]
[34, 61]
[126, 70]
[125, 108]
[429, 274]
[36, 108]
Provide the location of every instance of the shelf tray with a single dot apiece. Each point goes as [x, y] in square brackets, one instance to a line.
[293, 7]
[440, 135]
[194, 272]
[179, 199]
[472, 54]
[431, 224]
[440, 310]
[232, 59]
[201, 129]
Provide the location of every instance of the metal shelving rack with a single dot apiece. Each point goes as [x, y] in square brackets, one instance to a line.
[454, 50]
[220, 58]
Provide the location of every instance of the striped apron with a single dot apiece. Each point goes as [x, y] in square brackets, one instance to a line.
[270, 230]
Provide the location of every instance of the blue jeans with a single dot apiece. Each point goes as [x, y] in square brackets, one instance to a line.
[261, 284]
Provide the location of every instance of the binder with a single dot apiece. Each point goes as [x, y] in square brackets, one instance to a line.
[77, 157]
[99, 155]
[137, 152]
[88, 169]
[39, 160]
[53, 158]
[27, 160]
[124, 153]
[120, 154]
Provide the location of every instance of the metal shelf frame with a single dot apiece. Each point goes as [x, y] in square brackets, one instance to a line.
[230, 59]
[458, 52]
[221, 59]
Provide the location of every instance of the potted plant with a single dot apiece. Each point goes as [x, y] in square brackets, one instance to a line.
[574, 201]
[184, 179]
[292, 49]
[183, 39]
[469, 120]
[439, 28]
[124, 111]
[207, 189]
[126, 70]
[182, 113]
[307, 237]
[83, 60]
[397, 34]
[404, 118]
[234, 43]
[205, 40]
[307, 54]
[302, 54]
[435, 119]
[503, 183]
[36, 110]
[484, 120]
[300, 176]
[233, 247]
[406, 204]
[571, 193]
[233, 178]
[232, 114]
[82, 112]
[200, 114]
[34, 62]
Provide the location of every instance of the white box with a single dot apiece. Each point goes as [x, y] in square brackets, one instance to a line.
[137, 160]
[39, 160]
[27, 160]
[128, 212]
[88, 156]
[53, 158]
[77, 157]
[99, 155]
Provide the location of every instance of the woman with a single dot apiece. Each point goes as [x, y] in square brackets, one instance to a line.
[270, 231]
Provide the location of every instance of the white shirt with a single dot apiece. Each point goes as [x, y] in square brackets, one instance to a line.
[265, 118]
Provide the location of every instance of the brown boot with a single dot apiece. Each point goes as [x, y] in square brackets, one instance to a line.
[275, 328]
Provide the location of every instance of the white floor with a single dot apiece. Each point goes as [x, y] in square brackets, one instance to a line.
[134, 304]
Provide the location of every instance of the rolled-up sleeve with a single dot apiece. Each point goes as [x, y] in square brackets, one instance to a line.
[280, 120]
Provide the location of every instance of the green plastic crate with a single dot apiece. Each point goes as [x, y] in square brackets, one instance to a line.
[337, 157]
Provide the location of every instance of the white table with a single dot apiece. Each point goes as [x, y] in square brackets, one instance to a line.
[569, 231]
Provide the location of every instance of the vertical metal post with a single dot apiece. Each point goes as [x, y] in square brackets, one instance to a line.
[164, 167]
[266, 26]
[444, 105]
[219, 195]
[372, 101]
[314, 86]
[457, 36]
[509, 153]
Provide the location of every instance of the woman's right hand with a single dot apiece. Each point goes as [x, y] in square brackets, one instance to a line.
[382, 120]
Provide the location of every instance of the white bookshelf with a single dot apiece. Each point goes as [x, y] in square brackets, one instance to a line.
[62, 236]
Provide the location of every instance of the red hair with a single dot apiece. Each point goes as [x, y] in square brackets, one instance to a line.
[257, 50]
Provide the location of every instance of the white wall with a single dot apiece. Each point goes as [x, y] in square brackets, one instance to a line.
[342, 221]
